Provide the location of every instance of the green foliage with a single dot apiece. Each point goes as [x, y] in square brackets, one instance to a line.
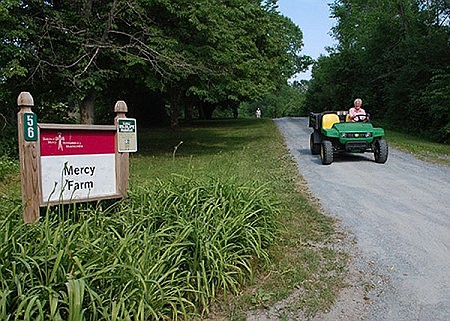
[252, 150]
[189, 51]
[7, 166]
[419, 146]
[58, 113]
[437, 97]
[132, 257]
[391, 54]
[167, 251]
[8, 138]
[288, 101]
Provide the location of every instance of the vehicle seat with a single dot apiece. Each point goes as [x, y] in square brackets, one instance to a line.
[347, 118]
[328, 120]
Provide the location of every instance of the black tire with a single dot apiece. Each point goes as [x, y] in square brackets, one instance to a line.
[381, 151]
[315, 147]
[326, 154]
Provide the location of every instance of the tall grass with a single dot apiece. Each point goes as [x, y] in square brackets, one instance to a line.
[164, 253]
[200, 223]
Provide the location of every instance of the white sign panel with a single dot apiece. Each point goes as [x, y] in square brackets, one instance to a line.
[66, 178]
[77, 165]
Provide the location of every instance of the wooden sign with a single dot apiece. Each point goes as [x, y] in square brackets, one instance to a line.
[62, 163]
[77, 164]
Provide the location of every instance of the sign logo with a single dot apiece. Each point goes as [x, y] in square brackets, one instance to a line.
[60, 139]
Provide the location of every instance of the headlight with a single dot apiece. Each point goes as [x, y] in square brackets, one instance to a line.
[356, 135]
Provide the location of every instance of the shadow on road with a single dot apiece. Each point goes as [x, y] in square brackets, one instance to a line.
[338, 158]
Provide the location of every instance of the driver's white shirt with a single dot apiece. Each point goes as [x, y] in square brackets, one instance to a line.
[353, 112]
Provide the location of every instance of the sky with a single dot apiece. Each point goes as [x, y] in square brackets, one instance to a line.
[313, 18]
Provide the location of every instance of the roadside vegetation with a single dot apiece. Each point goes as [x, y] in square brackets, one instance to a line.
[214, 214]
[217, 222]
[395, 55]
[420, 147]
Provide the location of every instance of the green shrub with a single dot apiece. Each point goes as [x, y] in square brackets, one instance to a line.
[8, 140]
[7, 166]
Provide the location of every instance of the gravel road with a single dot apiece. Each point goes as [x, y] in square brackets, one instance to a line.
[399, 215]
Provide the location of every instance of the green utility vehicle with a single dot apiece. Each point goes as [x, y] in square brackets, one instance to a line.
[334, 133]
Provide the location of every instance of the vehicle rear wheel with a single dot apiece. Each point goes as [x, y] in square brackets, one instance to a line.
[381, 151]
[315, 147]
[326, 154]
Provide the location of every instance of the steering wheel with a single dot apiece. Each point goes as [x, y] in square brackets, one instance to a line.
[361, 118]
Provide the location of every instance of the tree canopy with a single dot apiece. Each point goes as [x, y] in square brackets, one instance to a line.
[395, 55]
[191, 54]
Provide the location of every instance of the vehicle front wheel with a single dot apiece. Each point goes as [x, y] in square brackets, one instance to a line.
[326, 153]
[315, 147]
[381, 151]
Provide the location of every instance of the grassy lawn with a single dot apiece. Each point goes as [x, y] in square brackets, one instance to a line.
[422, 148]
[218, 222]
[253, 151]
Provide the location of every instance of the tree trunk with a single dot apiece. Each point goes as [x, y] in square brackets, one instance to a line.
[174, 112]
[403, 17]
[174, 109]
[87, 110]
[201, 110]
[209, 110]
[234, 108]
[188, 109]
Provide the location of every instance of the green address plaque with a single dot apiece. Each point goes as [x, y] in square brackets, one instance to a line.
[30, 133]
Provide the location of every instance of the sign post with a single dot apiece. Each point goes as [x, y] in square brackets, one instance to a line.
[29, 157]
[123, 158]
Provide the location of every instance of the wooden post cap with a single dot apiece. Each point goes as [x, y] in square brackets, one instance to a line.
[25, 99]
[120, 107]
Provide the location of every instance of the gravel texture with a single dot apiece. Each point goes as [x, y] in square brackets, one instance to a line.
[398, 215]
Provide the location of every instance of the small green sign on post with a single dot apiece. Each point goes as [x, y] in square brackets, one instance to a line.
[127, 137]
[30, 127]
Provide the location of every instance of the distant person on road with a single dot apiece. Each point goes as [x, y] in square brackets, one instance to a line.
[356, 113]
[258, 113]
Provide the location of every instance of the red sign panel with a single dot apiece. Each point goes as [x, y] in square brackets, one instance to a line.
[57, 142]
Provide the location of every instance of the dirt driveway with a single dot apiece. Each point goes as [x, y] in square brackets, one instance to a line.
[399, 215]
